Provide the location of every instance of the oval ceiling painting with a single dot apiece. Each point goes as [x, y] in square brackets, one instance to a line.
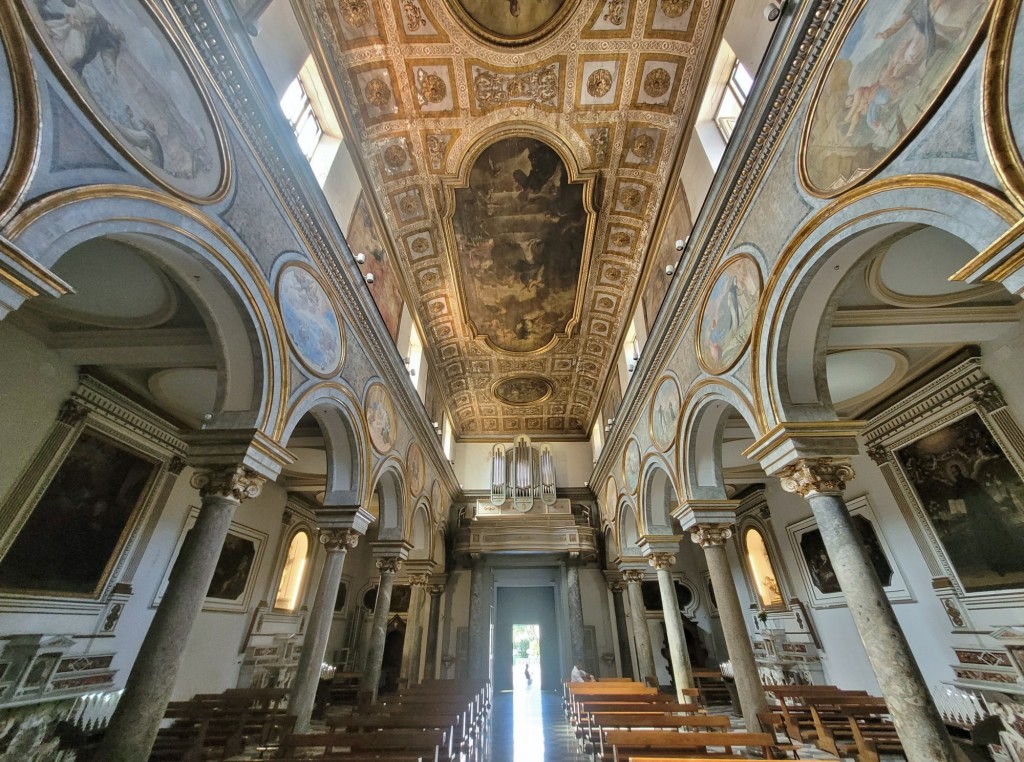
[520, 229]
[728, 314]
[894, 61]
[310, 320]
[511, 21]
[523, 390]
[133, 79]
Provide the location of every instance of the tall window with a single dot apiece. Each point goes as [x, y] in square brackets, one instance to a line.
[736, 92]
[294, 571]
[298, 110]
[765, 579]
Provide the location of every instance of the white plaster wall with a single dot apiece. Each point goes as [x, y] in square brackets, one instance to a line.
[598, 613]
[280, 45]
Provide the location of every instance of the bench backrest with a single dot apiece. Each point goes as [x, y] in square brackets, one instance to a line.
[624, 720]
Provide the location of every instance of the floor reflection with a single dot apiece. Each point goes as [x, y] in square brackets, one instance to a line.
[527, 725]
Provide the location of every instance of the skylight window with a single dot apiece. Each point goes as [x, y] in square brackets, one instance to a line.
[298, 110]
[735, 94]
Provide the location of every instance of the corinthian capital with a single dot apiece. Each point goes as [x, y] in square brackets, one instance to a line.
[822, 476]
[389, 565]
[616, 586]
[339, 539]
[419, 580]
[708, 536]
[234, 482]
[633, 575]
[661, 560]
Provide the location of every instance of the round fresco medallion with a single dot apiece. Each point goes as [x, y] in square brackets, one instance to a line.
[886, 76]
[431, 87]
[611, 496]
[657, 82]
[599, 83]
[665, 414]
[436, 499]
[310, 320]
[631, 198]
[728, 314]
[377, 92]
[380, 417]
[415, 468]
[512, 21]
[523, 390]
[621, 239]
[675, 8]
[631, 465]
[643, 147]
[355, 12]
[132, 78]
[395, 156]
[420, 245]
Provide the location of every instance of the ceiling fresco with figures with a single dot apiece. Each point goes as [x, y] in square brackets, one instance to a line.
[518, 153]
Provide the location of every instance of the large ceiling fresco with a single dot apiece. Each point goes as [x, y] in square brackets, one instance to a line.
[518, 153]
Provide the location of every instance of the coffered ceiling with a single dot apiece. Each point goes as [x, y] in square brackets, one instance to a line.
[517, 154]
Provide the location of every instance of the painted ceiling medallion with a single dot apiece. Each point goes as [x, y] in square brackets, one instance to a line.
[675, 8]
[355, 12]
[395, 155]
[512, 21]
[523, 390]
[599, 83]
[520, 228]
[657, 82]
[378, 93]
[310, 320]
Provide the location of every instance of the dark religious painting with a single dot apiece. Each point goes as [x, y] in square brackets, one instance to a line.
[132, 78]
[511, 18]
[520, 230]
[81, 522]
[651, 592]
[362, 237]
[339, 601]
[233, 568]
[974, 499]
[678, 227]
[400, 597]
[523, 390]
[819, 565]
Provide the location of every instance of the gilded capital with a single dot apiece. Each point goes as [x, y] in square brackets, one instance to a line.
[708, 536]
[234, 482]
[419, 580]
[633, 575]
[822, 476]
[389, 565]
[339, 539]
[661, 560]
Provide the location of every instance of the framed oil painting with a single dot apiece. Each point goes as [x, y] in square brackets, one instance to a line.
[310, 320]
[237, 568]
[895, 60]
[816, 571]
[728, 314]
[134, 80]
[77, 528]
[362, 237]
[380, 417]
[973, 499]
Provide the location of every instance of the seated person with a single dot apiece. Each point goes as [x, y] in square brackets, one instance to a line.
[580, 675]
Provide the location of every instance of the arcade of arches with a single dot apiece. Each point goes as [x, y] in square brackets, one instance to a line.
[345, 335]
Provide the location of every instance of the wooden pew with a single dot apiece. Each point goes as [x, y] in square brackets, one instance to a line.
[430, 745]
[600, 722]
[854, 726]
[630, 743]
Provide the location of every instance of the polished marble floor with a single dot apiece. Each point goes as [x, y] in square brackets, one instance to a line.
[528, 725]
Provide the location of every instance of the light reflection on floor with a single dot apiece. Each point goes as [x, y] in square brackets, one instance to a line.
[527, 724]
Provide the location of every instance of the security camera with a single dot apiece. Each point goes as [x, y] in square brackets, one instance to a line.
[369, 277]
[772, 11]
[670, 269]
[360, 258]
[680, 244]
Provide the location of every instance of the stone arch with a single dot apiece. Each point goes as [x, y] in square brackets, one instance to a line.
[788, 338]
[335, 408]
[706, 409]
[420, 532]
[389, 487]
[212, 268]
[627, 534]
[658, 496]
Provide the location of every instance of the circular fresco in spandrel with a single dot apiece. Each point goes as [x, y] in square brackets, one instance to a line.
[665, 414]
[728, 314]
[380, 417]
[631, 465]
[523, 390]
[310, 320]
[415, 468]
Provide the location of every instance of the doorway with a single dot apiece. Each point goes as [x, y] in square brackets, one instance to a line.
[526, 606]
[526, 669]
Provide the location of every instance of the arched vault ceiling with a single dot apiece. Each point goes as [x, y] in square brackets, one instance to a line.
[611, 86]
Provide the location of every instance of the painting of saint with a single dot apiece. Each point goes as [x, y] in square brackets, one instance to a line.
[894, 61]
[122, 64]
[233, 568]
[310, 320]
[665, 414]
[362, 237]
[523, 390]
[415, 468]
[511, 18]
[974, 499]
[380, 418]
[728, 315]
[82, 519]
[819, 565]
[520, 229]
[631, 465]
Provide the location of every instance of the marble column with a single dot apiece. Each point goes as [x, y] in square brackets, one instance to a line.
[479, 622]
[307, 677]
[641, 636]
[134, 725]
[621, 628]
[737, 639]
[681, 669]
[572, 580]
[433, 625]
[414, 630]
[388, 567]
[918, 722]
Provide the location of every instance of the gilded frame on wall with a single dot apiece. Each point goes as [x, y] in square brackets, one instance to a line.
[301, 323]
[715, 362]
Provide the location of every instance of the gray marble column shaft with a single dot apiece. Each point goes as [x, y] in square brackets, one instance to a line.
[737, 639]
[641, 636]
[622, 630]
[433, 625]
[681, 669]
[413, 631]
[572, 579]
[917, 720]
[479, 623]
[134, 725]
[379, 631]
[321, 616]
